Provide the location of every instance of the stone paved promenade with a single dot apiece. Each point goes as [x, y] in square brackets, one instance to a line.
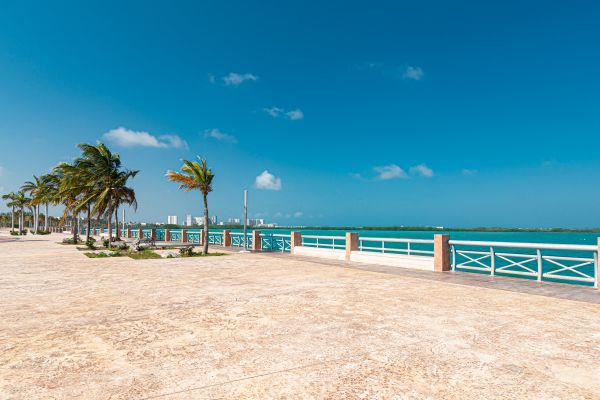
[264, 326]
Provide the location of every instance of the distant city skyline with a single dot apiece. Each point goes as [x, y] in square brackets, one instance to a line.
[341, 113]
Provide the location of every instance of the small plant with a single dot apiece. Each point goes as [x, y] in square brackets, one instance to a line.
[187, 251]
[42, 232]
[122, 246]
[70, 240]
[105, 242]
[90, 243]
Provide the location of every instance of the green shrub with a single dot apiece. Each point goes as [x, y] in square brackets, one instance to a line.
[105, 242]
[90, 243]
[187, 251]
[70, 240]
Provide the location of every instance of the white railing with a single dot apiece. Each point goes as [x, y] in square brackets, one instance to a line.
[275, 242]
[365, 244]
[238, 239]
[324, 241]
[537, 264]
[215, 238]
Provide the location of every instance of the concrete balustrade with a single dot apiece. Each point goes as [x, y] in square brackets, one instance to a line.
[184, 238]
[256, 241]
[441, 253]
[351, 244]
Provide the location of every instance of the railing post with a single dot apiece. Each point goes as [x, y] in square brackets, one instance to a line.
[226, 238]
[539, 265]
[128, 234]
[596, 269]
[140, 233]
[153, 234]
[441, 253]
[351, 243]
[492, 261]
[256, 241]
[184, 238]
[295, 240]
[167, 235]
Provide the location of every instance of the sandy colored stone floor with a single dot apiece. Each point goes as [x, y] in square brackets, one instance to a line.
[257, 326]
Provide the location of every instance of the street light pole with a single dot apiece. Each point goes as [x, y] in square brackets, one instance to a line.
[245, 220]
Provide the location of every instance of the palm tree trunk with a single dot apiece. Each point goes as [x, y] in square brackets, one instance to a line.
[21, 221]
[46, 218]
[36, 213]
[109, 214]
[89, 222]
[75, 219]
[117, 233]
[205, 244]
[12, 219]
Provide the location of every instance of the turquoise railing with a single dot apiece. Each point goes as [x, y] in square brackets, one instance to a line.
[175, 235]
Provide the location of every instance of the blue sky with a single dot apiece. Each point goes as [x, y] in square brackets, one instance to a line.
[461, 113]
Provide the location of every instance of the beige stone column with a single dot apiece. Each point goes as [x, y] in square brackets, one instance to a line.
[140, 233]
[226, 238]
[102, 231]
[184, 236]
[351, 243]
[153, 233]
[128, 234]
[202, 237]
[256, 242]
[167, 235]
[441, 253]
[295, 240]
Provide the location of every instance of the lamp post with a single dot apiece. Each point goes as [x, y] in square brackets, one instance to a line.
[245, 220]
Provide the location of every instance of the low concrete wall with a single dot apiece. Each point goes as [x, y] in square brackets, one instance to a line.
[320, 252]
[394, 260]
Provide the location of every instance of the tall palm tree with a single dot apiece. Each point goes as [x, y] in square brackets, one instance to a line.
[21, 202]
[108, 181]
[10, 202]
[34, 189]
[195, 175]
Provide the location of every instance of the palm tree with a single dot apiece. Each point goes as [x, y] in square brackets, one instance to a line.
[34, 188]
[108, 181]
[195, 175]
[21, 202]
[10, 202]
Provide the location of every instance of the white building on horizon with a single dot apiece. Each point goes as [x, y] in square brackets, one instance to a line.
[188, 220]
[172, 219]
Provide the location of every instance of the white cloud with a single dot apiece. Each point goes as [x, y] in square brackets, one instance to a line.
[212, 78]
[218, 135]
[1, 170]
[422, 170]
[469, 172]
[293, 115]
[129, 138]
[298, 214]
[414, 73]
[273, 111]
[235, 79]
[391, 171]
[267, 181]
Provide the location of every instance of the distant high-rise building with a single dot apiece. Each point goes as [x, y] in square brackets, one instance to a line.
[234, 221]
[256, 221]
[172, 219]
[198, 221]
[188, 220]
[213, 220]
